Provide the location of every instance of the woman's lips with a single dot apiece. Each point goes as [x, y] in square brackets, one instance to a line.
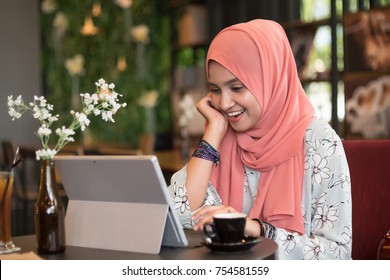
[235, 116]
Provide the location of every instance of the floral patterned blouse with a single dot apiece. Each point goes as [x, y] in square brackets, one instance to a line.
[326, 201]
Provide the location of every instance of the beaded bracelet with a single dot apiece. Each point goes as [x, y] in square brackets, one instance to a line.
[207, 152]
[270, 231]
[267, 230]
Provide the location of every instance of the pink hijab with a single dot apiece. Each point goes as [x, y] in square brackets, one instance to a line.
[258, 53]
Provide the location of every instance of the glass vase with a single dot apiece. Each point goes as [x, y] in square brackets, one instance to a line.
[49, 212]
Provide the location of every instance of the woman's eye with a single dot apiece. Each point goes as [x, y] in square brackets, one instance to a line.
[237, 88]
[214, 90]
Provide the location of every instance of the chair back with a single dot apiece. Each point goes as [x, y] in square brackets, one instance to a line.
[8, 152]
[369, 164]
[2, 160]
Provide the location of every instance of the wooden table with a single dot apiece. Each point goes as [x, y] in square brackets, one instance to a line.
[265, 249]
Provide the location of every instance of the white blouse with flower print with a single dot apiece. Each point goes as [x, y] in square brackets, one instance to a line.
[326, 200]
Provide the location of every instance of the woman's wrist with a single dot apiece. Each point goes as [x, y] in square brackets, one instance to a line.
[214, 133]
[261, 226]
[213, 138]
[252, 228]
[266, 229]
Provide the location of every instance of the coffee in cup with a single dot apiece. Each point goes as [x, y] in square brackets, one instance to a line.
[226, 227]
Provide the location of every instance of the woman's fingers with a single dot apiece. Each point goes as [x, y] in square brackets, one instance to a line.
[205, 214]
[204, 211]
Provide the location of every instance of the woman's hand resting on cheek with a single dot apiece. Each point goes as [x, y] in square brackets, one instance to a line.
[217, 123]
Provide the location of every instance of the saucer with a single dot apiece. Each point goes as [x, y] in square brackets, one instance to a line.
[245, 244]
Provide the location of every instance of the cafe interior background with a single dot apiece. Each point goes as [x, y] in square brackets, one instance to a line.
[154, 52]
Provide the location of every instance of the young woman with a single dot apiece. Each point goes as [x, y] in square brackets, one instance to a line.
[264, 152]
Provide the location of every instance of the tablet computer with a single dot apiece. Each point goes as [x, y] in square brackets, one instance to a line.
[118, 203]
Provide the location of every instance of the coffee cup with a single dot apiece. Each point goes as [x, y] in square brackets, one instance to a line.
[226, 227]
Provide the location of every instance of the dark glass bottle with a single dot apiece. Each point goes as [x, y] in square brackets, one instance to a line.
[49, 213]
[384, 247]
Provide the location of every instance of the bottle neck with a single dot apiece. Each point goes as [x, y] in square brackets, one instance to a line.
[48, 179]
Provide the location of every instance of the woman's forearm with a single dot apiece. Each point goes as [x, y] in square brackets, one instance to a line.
[198, 176]
[199, 172]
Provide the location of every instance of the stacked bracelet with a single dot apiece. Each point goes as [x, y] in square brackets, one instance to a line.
[207, 152]
[267, 230]
[261, 226]
[270, 230]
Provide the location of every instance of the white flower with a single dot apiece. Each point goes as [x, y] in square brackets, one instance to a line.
[180, 199]
[45, 154]
[100, 82]
[107, 116]
[104, 102]
[83, 120]
[116, 107]
[65, 133]
[320, 168]
[289, 241]
[313, 250]
[325, 216]
[15, 115]
[140, 33]
[90, 99]
[15, 102]
[44, 131]
[104, 87]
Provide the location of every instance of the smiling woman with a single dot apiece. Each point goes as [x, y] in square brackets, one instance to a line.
[263, 152]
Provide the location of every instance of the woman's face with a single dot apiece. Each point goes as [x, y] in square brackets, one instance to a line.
[232, 98]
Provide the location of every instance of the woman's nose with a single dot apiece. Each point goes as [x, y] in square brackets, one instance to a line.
[226, 100]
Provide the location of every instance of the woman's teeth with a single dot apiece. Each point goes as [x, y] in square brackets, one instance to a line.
[235, 114]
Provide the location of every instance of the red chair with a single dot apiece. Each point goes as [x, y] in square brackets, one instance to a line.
[369, 164]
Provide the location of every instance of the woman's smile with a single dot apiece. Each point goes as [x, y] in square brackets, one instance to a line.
[235, 116]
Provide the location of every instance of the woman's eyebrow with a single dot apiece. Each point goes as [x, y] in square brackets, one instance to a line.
[234, 80]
